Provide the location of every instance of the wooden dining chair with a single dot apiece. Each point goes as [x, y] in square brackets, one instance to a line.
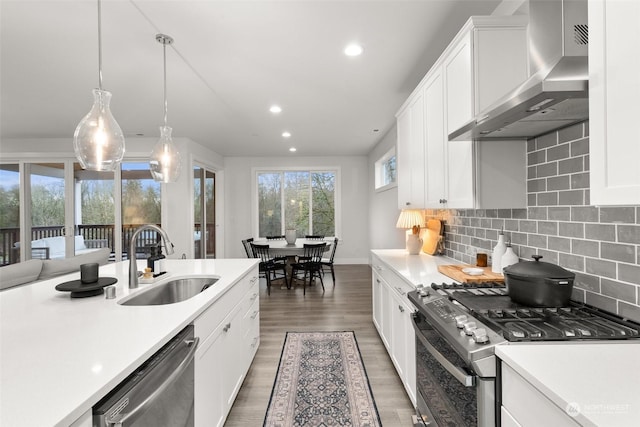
[247, 247]
[275, 237]
[310, 263]
[327, 263]
[272, 269]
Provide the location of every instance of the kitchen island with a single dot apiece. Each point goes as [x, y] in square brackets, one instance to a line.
[60, 355]
[577, 383]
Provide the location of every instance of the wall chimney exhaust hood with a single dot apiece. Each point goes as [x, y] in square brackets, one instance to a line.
[556, 94]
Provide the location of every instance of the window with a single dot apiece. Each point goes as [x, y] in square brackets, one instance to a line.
[301, 199]
[386, 170]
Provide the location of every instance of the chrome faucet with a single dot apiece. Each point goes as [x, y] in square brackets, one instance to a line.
[133, 268]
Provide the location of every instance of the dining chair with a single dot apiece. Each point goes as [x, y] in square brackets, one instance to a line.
[327, 263]
[247, 247]
[314, 236]
[310, 263]
[268, 266]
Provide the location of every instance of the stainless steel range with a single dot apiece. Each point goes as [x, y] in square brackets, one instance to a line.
[457, 327]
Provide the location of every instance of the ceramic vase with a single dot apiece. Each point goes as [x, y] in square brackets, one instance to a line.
[290, 236]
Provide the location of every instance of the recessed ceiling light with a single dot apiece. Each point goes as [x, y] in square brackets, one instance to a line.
[286, 134]
[275, 109]
[353, 49]
[293, 149]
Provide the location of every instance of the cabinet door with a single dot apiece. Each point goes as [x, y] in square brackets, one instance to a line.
[403, 343]
[614, 90]
[458, 76]
[435, 141]
[411, 155]
[376, 284]
[218, 375]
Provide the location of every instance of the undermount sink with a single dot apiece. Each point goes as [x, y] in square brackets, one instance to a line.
[172, 291]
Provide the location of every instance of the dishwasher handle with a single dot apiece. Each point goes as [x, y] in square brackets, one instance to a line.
[118, 420]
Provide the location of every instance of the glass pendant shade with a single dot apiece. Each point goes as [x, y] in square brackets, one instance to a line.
[165, 159]
[98, 140]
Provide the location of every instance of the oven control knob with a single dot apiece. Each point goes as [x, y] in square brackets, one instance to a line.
[469, 327]
[480, 335]
[460, 320]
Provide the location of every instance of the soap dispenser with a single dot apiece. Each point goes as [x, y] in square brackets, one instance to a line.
[498, 252]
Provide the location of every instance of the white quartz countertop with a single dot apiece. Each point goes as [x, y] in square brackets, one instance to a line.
[415, 269]
[60, 355]
[600, 380]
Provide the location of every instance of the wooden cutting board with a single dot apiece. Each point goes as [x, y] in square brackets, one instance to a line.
[432, 236]
[455, 272]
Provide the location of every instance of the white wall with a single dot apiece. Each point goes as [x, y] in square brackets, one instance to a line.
[354, 242]
[383, 205]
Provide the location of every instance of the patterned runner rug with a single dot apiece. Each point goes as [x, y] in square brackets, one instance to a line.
[321, 381]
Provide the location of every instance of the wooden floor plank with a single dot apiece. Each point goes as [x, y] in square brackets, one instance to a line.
[345, 307]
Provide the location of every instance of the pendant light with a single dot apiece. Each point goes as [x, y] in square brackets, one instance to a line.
[98, 140]
[165, 159]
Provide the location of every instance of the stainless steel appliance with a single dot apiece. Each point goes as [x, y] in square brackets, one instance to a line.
[457, 328]
[556, 94]
[158, 393]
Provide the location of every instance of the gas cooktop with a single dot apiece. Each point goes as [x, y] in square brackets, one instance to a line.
[490, 304]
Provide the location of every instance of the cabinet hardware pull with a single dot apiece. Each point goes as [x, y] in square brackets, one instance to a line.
[377, 280]
[255, 313]
[407, 203]
[226, 327]
[400, 291]
[255, 341]
[254, 296]
[401, 309]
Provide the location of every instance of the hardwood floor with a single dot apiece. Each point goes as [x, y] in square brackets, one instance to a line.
[345, 307]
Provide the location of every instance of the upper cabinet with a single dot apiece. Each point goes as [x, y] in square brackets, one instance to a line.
[410, 154]
[614, 91]
[486, 60]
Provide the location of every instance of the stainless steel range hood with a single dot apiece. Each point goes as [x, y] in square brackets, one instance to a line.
[556, 94]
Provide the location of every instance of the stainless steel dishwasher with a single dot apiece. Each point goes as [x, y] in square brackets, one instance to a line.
[158, 393]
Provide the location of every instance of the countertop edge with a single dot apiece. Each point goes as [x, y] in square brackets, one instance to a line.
[191, 312]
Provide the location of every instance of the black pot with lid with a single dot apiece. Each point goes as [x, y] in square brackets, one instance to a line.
[538, 283]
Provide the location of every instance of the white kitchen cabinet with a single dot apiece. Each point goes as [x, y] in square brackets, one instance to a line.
[410, 154]
[435, 147]
[527, 406]
[227, 331]
[614, 90]
[485, 60]
[392, 318]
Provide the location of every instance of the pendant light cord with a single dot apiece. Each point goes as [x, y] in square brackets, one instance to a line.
[164, 54]
[99, 46]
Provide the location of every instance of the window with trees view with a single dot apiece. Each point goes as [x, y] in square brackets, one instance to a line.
[295, 199]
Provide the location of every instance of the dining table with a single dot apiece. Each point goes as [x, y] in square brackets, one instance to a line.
[282, 248]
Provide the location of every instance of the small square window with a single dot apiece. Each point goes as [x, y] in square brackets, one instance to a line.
[386, 170]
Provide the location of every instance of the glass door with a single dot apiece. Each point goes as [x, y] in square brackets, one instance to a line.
[9, 213]
[204, 213]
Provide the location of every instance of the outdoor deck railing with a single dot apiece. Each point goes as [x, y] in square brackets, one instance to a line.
[103, 232]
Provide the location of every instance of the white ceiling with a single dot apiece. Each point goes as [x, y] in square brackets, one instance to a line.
[230, 61]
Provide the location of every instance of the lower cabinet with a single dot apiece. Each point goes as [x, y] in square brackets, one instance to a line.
[524, 405]
[229, 338]
[392, 318]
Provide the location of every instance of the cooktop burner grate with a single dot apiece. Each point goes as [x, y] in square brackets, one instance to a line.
[490, 303]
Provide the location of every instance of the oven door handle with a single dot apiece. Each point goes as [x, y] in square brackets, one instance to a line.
[458, 373]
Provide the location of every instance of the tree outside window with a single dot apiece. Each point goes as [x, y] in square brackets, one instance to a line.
[300, 200]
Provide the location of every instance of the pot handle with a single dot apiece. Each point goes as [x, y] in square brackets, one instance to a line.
[536, 257]
[558, 282]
